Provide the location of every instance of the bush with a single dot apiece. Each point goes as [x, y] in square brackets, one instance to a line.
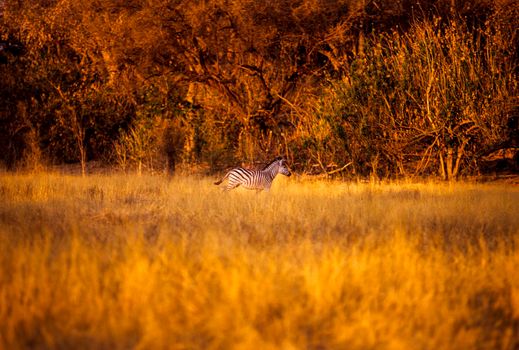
[347, 87]
[430, 101]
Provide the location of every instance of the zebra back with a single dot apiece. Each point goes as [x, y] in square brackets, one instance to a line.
[256, 179]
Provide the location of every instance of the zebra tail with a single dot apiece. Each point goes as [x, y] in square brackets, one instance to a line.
[221, 180]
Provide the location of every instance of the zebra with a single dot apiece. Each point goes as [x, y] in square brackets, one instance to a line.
[255, 179]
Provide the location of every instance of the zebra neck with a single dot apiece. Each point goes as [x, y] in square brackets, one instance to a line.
[271, 172]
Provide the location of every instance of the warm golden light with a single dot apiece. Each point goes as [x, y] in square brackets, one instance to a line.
[142, 262]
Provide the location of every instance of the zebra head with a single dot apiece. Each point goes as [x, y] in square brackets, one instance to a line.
[282, 166]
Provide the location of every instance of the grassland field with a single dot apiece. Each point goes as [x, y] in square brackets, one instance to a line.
[147, 262]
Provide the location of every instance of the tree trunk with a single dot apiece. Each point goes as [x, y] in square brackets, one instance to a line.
[449, 163]
[82, 154]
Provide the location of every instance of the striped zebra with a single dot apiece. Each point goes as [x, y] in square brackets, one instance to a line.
[256, 179]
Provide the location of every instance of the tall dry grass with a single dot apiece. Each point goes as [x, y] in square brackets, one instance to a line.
[142, 262]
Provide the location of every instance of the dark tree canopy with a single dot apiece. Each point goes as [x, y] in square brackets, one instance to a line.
[383, 88]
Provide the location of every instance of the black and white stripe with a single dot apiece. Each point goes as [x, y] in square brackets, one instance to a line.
[255, 179]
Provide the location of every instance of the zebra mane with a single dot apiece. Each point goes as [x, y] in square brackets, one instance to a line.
[270, 163]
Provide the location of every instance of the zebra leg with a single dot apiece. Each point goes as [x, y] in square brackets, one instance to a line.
[232, 183]
[231, 186]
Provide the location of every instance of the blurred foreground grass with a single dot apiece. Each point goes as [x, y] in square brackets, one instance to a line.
[118, 262]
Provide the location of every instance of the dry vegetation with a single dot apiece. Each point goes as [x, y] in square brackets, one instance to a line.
[363, 87]
[118, 261]
[349, 88]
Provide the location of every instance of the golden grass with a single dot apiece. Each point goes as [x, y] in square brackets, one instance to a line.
[108, 262]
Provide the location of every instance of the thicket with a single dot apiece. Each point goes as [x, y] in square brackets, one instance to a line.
[350, 87]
